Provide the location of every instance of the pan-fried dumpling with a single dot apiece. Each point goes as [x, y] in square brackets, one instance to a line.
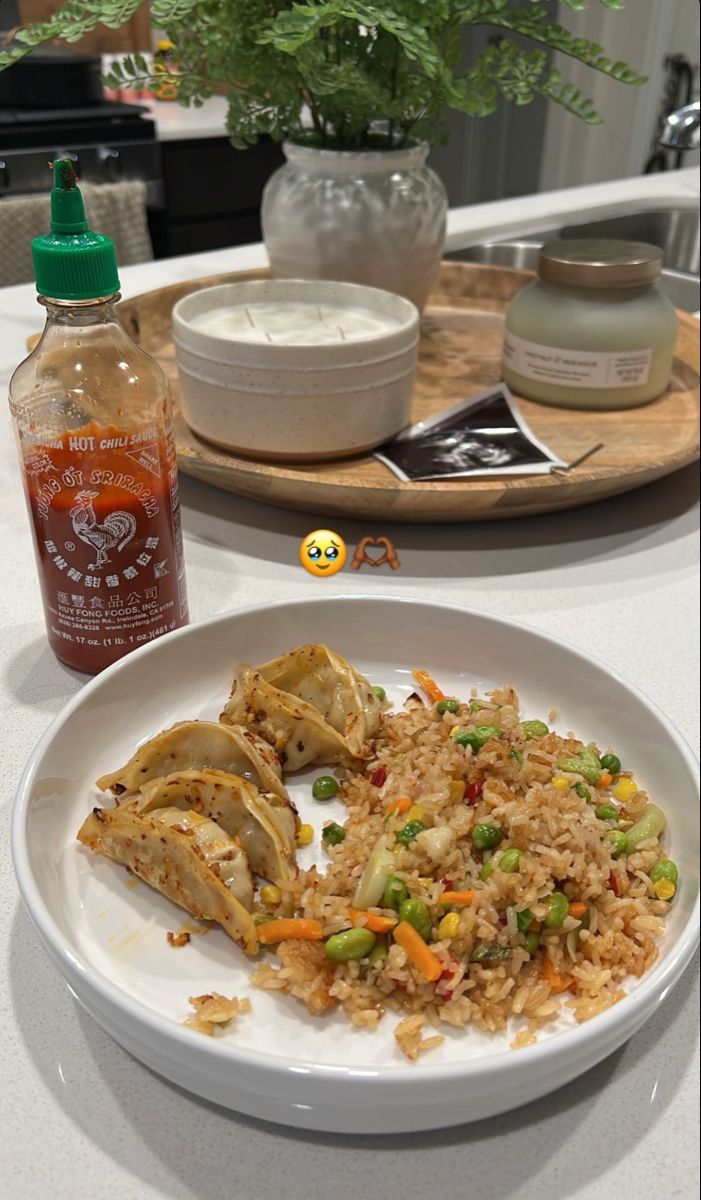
[324, 679]
[296, 730]
[265, 829]
[186, 857]
[193, 745]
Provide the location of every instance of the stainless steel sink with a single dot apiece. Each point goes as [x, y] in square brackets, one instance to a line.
[675, 231]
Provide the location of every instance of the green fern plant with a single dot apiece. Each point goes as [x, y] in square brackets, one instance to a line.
[347, 73]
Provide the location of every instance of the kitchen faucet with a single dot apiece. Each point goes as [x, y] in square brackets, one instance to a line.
[681, 128]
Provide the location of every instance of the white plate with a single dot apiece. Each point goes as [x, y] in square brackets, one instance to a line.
[108, 937]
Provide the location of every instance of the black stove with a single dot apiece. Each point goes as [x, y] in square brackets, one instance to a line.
[107, 141]
[21, 128]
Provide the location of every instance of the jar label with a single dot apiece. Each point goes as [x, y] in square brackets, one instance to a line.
[577, 368]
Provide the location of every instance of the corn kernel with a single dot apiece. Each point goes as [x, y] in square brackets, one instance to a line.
[416, 813]
[625, 789]
[271, 895]
[426, 881]
[449, 926]
[305, 835]
[664, 889]
[456, 790]
[560, 783]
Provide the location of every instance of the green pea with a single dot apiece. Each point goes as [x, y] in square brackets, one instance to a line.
[333, 834]
[486, 837]
[612, 763]
[262, 918]
[395, 893]
[417, 914]
[351, 944]
[532, 942]
[487, 871]
[534, 729]
[607, 812]
[477, 706]
[558, 907]
[477, 738]
[411, 830]
[664, 869]
[509, 861]
[380, 693]
[517, 755]
[444, 706]
[583, 792]
[524, 919]
[379, 951]
[619, 841]
[325, 787]
[649, 824]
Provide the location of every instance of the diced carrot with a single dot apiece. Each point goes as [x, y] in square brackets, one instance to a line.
[605, 780]
[429, 686]
[556, 983]
[401, 805]
[289, 928]
[417, 951]
[458, 898]
[577, 909]
[372, 921]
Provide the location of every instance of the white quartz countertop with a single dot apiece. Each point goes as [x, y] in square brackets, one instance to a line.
[175, 123]
[84, 1121]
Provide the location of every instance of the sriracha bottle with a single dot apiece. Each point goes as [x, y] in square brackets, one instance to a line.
[94, 428]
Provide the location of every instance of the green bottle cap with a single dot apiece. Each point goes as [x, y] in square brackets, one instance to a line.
[72, 262]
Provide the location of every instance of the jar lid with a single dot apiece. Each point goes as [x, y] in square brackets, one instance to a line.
[600, 263]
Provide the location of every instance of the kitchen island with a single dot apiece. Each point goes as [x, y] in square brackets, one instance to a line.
[620, 579]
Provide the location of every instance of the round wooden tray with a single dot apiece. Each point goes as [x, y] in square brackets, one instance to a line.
[460, 352]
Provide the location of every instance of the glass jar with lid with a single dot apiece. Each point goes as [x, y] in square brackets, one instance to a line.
[594, 330]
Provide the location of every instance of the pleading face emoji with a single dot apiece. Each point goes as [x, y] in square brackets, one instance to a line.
[323, 552]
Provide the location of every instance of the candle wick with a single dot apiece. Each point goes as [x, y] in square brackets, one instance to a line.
[268, 336]
[343, 336]
[250, 318]
[319, 313]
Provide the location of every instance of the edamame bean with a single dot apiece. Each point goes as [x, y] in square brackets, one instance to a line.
[380, 693]
[649, 824]
[664, 869]
[517, 755]
[611, 763]
[583, 792]
[618, 841]
[607, 812]
[509, 861]
[487, 871]
[325, 787]
[477, 705]
[417, 914]
[379, 951]
[477, 738]
[486, 837]
[350, 944]
[558, 906]
[534, 729]
[395, 893]
[449, 705]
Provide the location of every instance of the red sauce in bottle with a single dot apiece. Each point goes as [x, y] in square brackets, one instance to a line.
[106, 518]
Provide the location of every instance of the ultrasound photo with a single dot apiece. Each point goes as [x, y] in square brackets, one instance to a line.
[484, 435]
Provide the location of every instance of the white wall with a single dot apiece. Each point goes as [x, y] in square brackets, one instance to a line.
[642, 33]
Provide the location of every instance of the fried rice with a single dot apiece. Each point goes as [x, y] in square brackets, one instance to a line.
[513, 783]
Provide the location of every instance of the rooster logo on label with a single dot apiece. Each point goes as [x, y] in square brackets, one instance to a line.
[115, 531]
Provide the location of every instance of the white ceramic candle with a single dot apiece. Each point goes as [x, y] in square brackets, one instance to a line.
[296, 369]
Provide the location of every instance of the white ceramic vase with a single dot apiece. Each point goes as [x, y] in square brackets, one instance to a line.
[375, 217]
